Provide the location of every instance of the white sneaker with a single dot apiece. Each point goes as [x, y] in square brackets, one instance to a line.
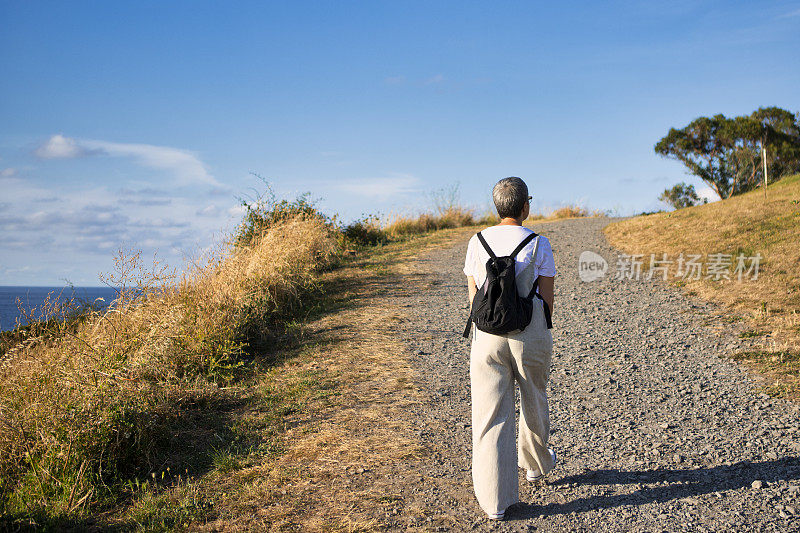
[496, 516]
[535, 475]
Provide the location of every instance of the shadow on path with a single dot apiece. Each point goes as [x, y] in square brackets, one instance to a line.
[681, 483]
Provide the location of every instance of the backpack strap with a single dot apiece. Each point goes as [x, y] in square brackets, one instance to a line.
[533, 294]
[547, 316]
[523, 244]
[469, 325]
[493, 256]
[486, 246]
[533, 265]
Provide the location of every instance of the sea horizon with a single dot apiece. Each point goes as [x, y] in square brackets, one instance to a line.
[32, 296]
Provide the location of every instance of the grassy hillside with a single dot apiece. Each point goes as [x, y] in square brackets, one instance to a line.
[124, 414]
[742, 225]
[88, 408]
[157, 413]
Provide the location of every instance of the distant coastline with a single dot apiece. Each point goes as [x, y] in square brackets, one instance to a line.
[32, 297]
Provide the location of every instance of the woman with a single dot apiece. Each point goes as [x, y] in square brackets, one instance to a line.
[498, 361]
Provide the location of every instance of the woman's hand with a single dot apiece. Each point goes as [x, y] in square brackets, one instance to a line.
[546, 290]
[472, 289]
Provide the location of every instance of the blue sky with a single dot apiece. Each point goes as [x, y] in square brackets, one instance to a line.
[137, 124]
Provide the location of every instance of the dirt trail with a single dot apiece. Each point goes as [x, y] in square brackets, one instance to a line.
[655, 429]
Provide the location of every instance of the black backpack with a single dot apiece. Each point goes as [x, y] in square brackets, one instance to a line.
[497, 307]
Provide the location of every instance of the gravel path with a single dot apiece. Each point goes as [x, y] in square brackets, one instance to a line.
[655, 429]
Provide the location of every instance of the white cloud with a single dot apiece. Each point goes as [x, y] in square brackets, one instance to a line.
[237, 211]
[184, 164]
[439, 78]
[145, 202]
[208, 211]
[158, 223]
[791, 14]
[80, 227]
[8, 172]
[383, 188]
[60, 147]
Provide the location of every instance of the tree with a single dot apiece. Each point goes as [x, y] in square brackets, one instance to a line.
[680, 196]
[701, 147]
[780, 132]
[726, 152]
[743, 153]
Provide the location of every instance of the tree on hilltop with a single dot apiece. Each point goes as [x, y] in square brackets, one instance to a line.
[726, 152]
[680, 196]
[781, 134]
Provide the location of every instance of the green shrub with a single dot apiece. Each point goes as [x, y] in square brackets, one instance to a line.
[365, 232]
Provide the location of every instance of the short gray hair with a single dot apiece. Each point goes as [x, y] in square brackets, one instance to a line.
[510, 195]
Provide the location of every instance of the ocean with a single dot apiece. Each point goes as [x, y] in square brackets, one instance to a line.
[32, 297]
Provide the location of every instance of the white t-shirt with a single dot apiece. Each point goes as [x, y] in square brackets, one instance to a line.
[502, 240]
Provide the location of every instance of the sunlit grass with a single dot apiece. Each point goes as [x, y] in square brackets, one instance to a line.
[746, 224]
[125, 406]
[86, 405]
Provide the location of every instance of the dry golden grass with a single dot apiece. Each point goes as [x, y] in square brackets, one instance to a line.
[450, 217]
[372, 230]
[571, 211]
[325, 479]
[340, 448]
[339, 470]
[88, 405]
[456, 217]
[93, 412]
[568, 211]
[749, 225]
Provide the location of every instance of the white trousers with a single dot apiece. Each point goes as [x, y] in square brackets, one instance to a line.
[496, 363]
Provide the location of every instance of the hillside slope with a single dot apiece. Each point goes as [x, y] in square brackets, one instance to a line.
[740, 228]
